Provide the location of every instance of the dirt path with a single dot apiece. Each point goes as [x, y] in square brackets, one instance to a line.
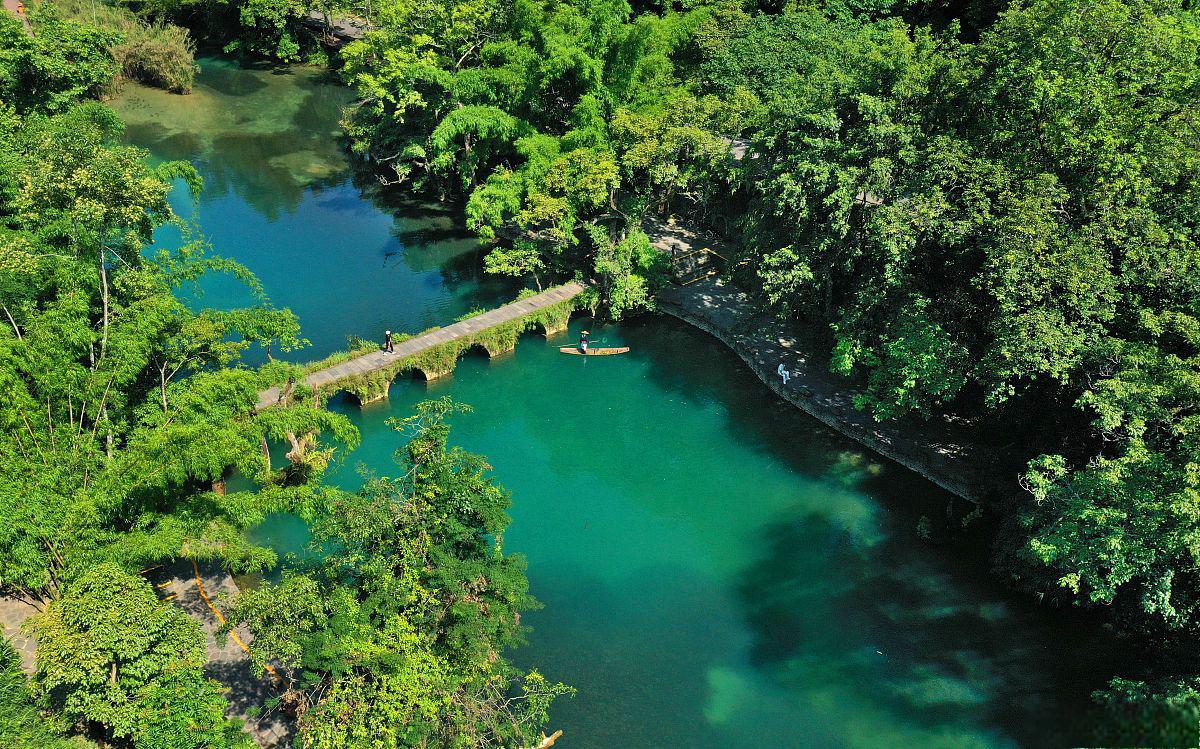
[17, 8]
[13, 613]
[248, 689]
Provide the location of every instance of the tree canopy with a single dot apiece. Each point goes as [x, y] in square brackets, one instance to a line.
[977, 210]
[125, 410]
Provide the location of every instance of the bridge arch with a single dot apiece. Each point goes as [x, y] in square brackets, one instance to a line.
[547, 330]
[430, 373]
[434, 353]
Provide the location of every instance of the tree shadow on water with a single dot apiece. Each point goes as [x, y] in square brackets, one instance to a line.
[639, 659]
[230, 80]
[899, 633]
[166, 143]
[696, 367]
[924, 632]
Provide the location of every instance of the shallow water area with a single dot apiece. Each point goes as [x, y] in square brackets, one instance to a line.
[718, 570]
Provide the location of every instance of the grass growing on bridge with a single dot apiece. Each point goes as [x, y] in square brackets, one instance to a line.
[433, 362]
[356, 350]
[441, 359]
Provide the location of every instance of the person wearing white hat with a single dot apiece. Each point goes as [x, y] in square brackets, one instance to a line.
[387, 342]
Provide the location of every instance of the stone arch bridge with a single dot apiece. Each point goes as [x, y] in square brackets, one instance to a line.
[434, 353]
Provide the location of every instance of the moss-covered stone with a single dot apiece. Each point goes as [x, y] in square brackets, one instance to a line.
[440, 360]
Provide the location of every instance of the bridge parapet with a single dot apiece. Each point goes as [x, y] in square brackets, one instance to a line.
[367, 375]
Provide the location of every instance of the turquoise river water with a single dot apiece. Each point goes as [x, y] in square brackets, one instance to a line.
[718, 570]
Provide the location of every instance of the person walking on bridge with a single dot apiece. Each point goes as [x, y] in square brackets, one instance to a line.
[387, 342]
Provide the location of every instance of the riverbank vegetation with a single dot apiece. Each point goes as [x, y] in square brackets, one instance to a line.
[979, 210]
[126, 409]
[395, 634]
[153, 52]
[272, 30]
[985, 210]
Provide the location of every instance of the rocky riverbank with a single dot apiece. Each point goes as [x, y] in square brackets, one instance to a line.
[941, 450]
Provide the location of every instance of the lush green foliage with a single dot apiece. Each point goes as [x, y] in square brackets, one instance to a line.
[156, 53]
[109, 652]
[267, 29]
[253, 29]
[120, 413]
[21, 723]
[980, 210]
[1005, 227]
[121, 410]
[1171, 712]
[50, 71]
[561, 122]
[408, 611]
[1007, 230]
[119, 403]
[124, 411]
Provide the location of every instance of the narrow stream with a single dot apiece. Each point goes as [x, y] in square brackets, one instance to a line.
[718, 570]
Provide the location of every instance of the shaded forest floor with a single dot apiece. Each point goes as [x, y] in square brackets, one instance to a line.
[248, 688]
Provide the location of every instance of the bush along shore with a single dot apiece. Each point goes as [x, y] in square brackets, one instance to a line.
[150, 50]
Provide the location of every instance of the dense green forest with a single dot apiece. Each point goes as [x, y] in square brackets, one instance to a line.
[982, 209]
[125, 410]
[979, 210]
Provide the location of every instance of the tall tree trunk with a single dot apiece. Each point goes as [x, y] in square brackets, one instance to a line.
[162, 378]
[108, 436]
[467, 158]
[14, 322]
[104, 298]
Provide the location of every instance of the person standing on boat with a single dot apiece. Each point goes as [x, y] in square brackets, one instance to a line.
[387, 342]
[583, 342]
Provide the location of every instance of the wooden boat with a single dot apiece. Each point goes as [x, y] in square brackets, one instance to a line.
[594, 351]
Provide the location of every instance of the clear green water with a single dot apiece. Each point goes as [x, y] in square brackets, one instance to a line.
[718, 571]
[281, 198]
